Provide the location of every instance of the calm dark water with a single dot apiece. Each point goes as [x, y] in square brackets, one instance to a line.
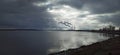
[44, 42]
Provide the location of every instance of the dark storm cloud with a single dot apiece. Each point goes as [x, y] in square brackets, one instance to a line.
[66, 24]
[114, 19]
[95, 6]
[23, 14]
[103, 6]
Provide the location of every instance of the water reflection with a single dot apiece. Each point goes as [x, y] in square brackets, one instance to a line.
[109, 35]
[42, 43]
[67, 40]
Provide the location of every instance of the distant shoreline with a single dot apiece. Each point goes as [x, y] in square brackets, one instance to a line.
[36, 30]
[97, 31]
[60, 30]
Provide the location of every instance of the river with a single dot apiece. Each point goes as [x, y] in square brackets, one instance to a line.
[45, 42]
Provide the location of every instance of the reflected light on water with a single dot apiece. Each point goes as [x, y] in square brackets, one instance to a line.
[68, 40]
[45, 42]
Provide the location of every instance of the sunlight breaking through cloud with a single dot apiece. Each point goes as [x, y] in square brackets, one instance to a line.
[65, 13]
[70, 16]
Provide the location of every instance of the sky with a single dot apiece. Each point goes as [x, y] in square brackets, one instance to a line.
[59, 14]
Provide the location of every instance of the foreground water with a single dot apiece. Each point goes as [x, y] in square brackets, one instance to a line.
[44, 42]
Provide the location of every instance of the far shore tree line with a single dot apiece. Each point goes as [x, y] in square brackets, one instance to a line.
[110, 28]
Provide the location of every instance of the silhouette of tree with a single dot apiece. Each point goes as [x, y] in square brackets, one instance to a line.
[119, 28]
[108, 28]
[111, 28]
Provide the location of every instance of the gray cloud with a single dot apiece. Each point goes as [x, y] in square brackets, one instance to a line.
[23, 14]
[98, 7]
[74, 3]
[103, 6]
[95, 6]
[114, 19]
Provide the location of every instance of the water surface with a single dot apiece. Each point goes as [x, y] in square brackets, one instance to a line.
[44, 42]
